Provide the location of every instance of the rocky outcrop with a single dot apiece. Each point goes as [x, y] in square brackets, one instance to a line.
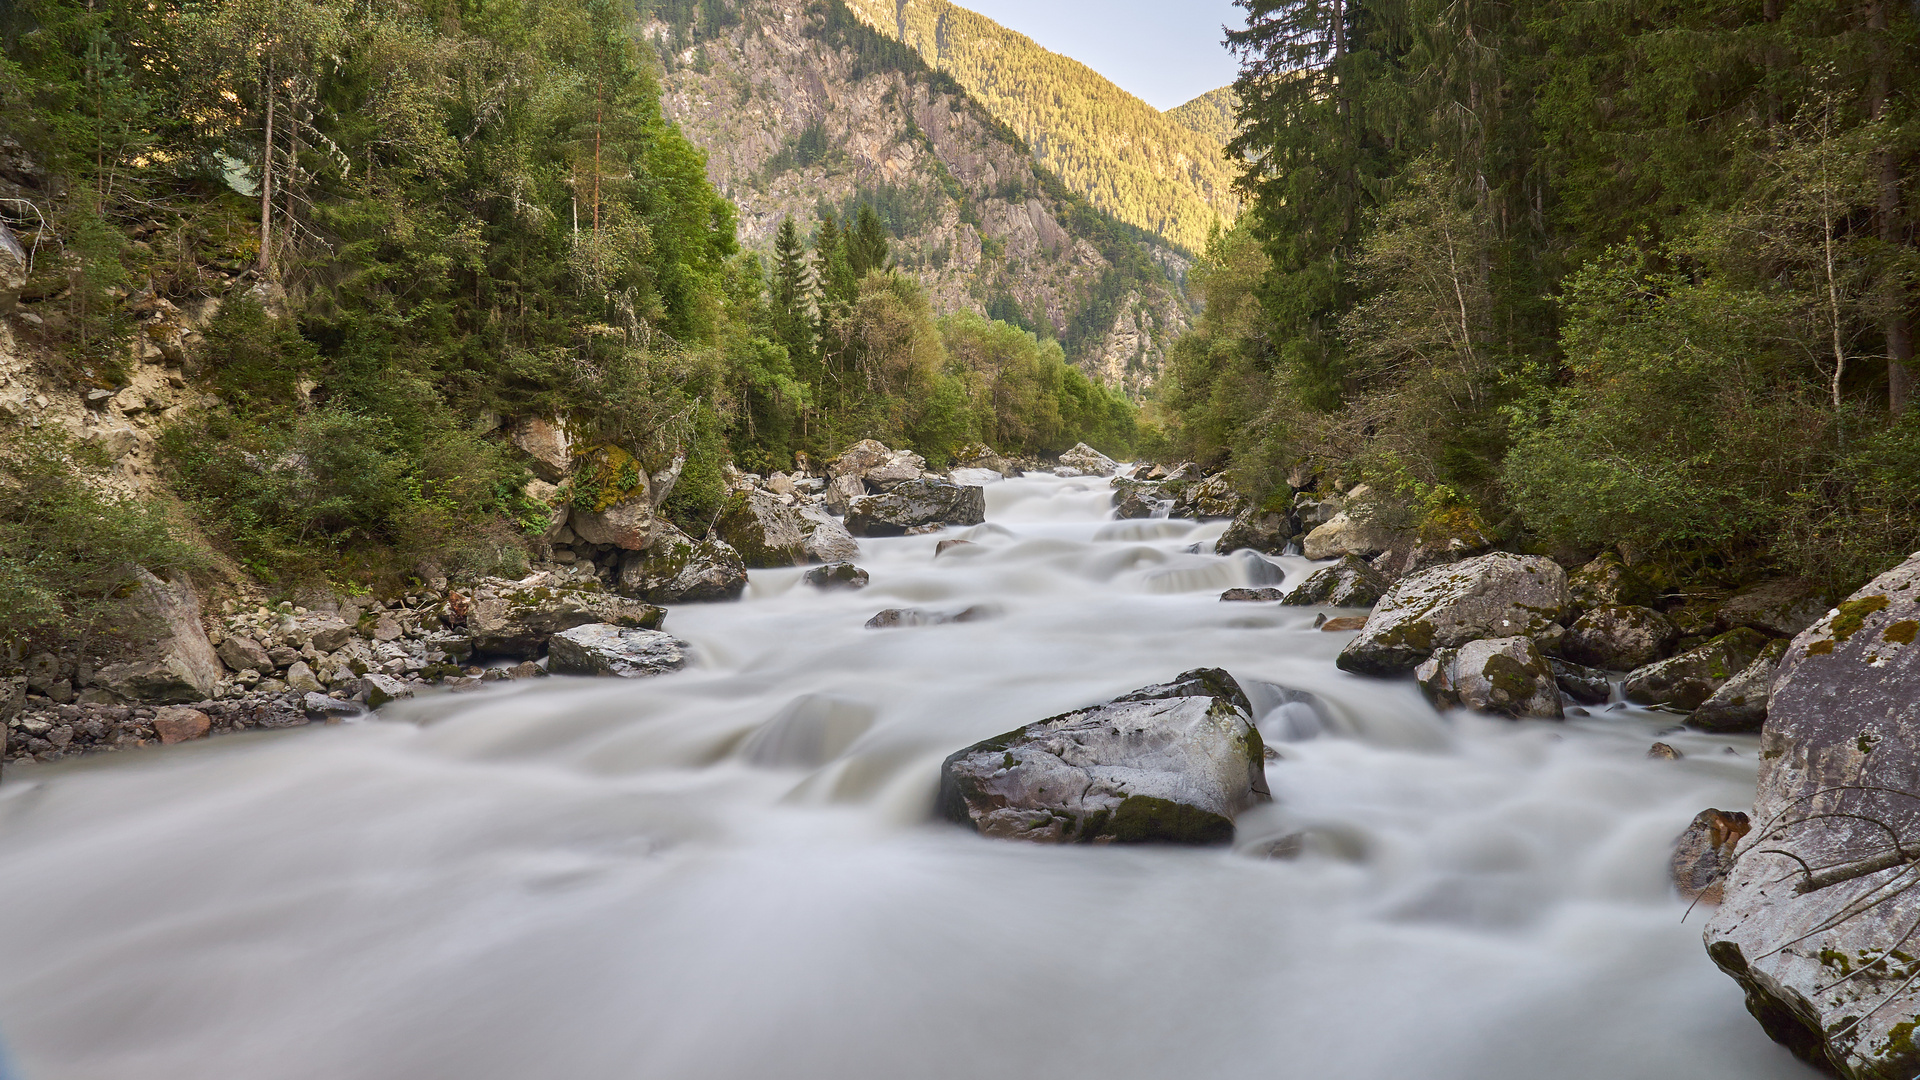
[1172, 763]
[618, 651]
[1508, 676]
[1493, 596]
[1089, 461]
[1741, 702]
[677, 569]
[1819, 909]
[1347, 583]
[916, 504]
[1265, 531]
[518, 618]
[1619, 638]
[177, 664]
[1686, 681]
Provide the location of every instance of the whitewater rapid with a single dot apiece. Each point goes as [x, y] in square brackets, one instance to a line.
[734, 873]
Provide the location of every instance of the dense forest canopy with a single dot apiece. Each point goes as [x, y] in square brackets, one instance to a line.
[1628, 273]
[424, 221]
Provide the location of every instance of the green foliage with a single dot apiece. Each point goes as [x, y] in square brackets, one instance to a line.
[69, 545]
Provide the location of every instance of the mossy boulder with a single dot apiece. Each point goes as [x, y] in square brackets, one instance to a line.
[1500, 595]
[1816, 924]
[1607, 582]
[1213, 497]
[1618, 637]
[1508, 676]
[1778, 608]
[518, 618]
[1686, 681]
[677, 569]
[1171, 763]
[1741, 702]
[1347, 583]
[764, 531]
[916, 504]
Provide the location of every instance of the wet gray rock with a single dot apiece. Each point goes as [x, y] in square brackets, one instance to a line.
[517, 618]
[1588, 686]
[1493, 596]
[899, 617]
[618, 651]
[1509, 676]
[377, 690]
[1265, 531]
[323, 707]
[1686, 681]
[1619, 638]
[1251, 596]
[828, 541]
[1171, 763]
[1347, 583]
[836, 577]
[1820, 906]
[677, 569]
[1139, 500]
[1741, 702]
[915, 504]
[1089, 461]
[764, 531]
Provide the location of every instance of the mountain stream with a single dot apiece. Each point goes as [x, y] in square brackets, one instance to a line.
[732, 873]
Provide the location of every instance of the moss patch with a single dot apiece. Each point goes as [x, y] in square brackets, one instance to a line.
[1144, 819]
[1902, 632]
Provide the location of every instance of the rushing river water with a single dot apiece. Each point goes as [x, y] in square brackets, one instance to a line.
[732, 872]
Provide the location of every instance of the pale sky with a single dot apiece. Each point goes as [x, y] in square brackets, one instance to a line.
[1167, 52]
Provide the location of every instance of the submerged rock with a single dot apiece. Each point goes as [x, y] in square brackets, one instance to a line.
[1252, 596]
[677, 569]
[1173, 763]
[1347, 583]
[1492, 596]
[916, 504]
[896, 617]
[1619, 638]
[1509, 676]
[1817, 921]
[1686, 681]
[836, 576]
[623, 652]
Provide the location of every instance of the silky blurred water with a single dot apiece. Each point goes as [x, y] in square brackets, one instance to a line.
[733, 872]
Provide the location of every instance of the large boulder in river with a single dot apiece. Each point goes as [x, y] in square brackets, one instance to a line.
[765, 531]
[915, 504]
[617, 651]
[1741, 702]
[1174, 762]
[1509, 676]
[677, 569]
[1686, 681]
[1619, 638]
[828, 541]
[1347, 583]
[1444, 607]
[174, 663]
[1819, 909]
[1089, 461]
[1265, 531]
[518, 618]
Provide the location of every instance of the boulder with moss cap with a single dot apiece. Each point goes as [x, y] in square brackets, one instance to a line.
[1686, 681]
[1493, 596]
[1173, 763]
[1509, 676]
[518, 618]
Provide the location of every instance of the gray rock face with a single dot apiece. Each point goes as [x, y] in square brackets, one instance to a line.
[178, 664]
[914, 504]
[1686, 681]
[1778, 608]
[1172, 763]
[1619, 638]
[837, 576]
[240, 653]
[1089, 461]
[1492, 596]
[1315, 511]
[1213, 497]
[1509, 676]
[618, 651]
[330, 635]
[827, 541]
[1741, 702]
[1588, 686]
[1265, 531]
[517, 618]
[1346, 534]
[1347, 583]
[677, 569]
[1817, 922]
[763, 530]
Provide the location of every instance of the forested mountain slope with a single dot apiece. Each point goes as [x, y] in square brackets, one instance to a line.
[1212, 114]
[1121, 153]
[803, 109]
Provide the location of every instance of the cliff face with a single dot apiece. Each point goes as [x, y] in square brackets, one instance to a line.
[801, 109]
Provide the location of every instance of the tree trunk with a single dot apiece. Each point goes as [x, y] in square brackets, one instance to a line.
[1898, 321]
[266, 179]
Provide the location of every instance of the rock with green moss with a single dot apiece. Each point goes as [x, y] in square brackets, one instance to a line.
[1172, 763]
[764, 530]
[1347, 583]
[1444, 607]
[836, 577]
[1618, 637]
[1508, 676]
[677, 569]
[518, 618]
[916, 504]
[628, 524]
[1606, 582]
[1817, 919]
[1686, 681]
[1213, 497]
[615, 651]
[1779, 608]
[1089, 461]
[1741, 702]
